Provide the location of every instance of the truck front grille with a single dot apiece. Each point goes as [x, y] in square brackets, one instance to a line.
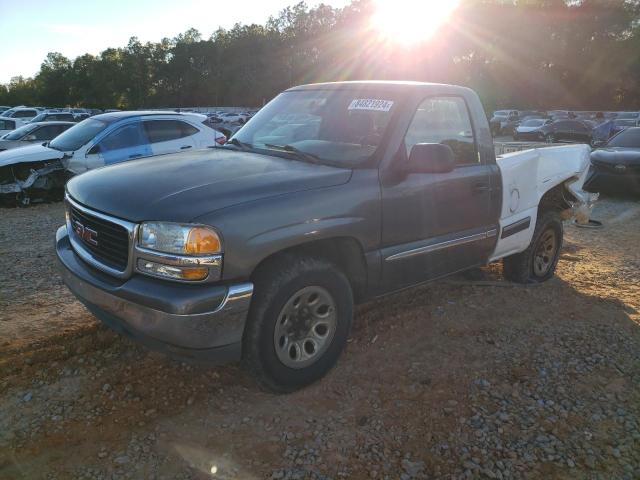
[109, 245]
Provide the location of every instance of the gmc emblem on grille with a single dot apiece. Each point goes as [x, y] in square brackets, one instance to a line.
[85, 233]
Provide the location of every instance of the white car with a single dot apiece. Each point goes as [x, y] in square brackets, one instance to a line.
[7, 125]
[532, 125]
[21, 116]
[104, 140]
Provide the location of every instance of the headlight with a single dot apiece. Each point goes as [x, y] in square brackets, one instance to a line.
[179, 251]
[179, 239]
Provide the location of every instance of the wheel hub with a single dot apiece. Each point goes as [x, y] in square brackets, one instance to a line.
[545, 253]
[305, 327]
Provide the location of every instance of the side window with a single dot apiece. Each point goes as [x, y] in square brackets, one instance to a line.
[25, 114]
[579, 127]
[125, 137]
[444, 120]
[47, 132]
[166, 130]
[563, 126]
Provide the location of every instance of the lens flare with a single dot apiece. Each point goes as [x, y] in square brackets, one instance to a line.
[411, 21]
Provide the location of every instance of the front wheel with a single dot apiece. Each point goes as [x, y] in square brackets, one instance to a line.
[299, 322]
[538, 262]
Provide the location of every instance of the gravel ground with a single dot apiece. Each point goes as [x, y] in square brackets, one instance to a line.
[467, 378]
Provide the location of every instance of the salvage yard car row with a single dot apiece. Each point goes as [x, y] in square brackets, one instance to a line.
[553, 126]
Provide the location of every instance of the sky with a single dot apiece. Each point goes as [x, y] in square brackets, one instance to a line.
[29, 29]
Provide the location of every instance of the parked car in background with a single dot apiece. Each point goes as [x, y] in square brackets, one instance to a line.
[78, 117]
[567, 130]
[104, 140]
[633, 116]
[531, 130]
[33, 133]
[500, 119]
[620, 124]
[7, 125]
[21, 115]
[4, 109]
[615, 167]
[49, 116]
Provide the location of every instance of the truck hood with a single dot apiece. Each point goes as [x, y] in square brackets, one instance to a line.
[181, 187]
[31, 153]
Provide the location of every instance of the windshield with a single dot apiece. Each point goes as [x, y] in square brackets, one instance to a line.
[533, 123]
[629, 138]
[78, 135]
[340, 127]
[18, 133]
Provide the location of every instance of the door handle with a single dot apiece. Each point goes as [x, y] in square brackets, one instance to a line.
[184, 147]
[480, 188]
[135, 155]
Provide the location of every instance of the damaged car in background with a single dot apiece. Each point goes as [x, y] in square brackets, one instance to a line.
[39, 172]
[615, 167]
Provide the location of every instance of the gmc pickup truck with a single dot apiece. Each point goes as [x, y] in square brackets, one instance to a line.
[331, 195]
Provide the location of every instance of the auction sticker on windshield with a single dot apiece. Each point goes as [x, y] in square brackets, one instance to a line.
[371, 104]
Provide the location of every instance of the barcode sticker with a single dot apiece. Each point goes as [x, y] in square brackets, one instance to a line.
[373, 104]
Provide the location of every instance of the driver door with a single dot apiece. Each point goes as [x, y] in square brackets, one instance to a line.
[434, 224]
[123, 144]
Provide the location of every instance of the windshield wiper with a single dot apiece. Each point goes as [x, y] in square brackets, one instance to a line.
[241, 145]
[306, 156]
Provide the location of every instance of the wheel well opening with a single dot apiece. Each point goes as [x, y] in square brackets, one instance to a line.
[345, 252]
[556, 199]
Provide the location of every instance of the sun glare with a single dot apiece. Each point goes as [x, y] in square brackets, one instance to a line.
[411, 21]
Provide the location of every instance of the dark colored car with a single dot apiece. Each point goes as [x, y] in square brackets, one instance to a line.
[332, 194]
[33, 133]
[568, 130]
[616, 166]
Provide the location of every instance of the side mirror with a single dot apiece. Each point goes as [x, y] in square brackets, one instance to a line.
[430, 158]
[598, 143]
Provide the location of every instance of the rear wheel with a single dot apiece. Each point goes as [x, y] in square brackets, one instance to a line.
[538, 262]
[299, 322]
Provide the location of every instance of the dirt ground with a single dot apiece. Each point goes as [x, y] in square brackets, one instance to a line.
[466, 378]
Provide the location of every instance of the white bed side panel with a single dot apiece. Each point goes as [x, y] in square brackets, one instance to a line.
[526, 177]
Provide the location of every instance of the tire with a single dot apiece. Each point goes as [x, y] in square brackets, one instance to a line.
[304, 356]
[548, 138]
[532, 266]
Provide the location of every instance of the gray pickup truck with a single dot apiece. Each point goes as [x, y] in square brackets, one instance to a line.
[331, 195]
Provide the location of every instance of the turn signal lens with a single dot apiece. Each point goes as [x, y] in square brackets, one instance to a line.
[168, 271]
[202, 241]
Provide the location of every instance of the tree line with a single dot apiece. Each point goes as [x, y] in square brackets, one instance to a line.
[575, 54]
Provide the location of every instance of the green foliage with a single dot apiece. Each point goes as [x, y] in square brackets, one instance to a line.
[517, 53]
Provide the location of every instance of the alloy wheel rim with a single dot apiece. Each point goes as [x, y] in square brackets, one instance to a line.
[545, 253]
[305, 327]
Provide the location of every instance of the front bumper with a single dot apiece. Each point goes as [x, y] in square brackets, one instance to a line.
[203, 322]
[602, 179]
